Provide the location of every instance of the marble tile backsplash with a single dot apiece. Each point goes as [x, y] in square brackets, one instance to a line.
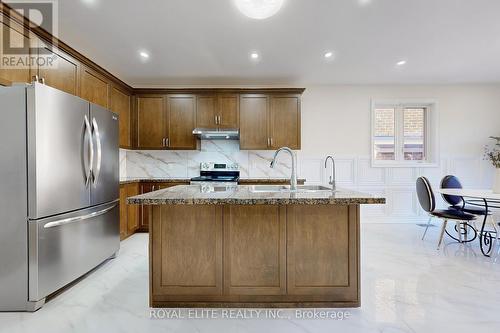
[186, 164]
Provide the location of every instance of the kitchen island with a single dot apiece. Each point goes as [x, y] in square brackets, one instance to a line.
[254, 246]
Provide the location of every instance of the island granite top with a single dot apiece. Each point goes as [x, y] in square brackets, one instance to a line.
[243, 195]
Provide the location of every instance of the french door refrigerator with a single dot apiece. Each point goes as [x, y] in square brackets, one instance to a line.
[59, 207]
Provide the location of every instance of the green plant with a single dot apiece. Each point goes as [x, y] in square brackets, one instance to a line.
[492, 152]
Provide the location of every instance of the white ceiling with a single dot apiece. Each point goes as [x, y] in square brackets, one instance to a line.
[208, 42]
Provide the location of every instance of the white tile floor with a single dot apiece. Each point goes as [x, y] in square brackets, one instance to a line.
[407, 286]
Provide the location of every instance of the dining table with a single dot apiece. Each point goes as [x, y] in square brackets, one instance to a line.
[486, 199]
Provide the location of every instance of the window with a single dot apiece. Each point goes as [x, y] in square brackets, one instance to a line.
[404, 133]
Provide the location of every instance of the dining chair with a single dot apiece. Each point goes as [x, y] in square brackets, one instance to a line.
[459, 203]
[427, 201]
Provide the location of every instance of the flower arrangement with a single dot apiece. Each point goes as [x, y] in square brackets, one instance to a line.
[492, 152]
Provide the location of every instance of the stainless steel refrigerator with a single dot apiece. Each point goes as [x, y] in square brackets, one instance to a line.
[59, 193]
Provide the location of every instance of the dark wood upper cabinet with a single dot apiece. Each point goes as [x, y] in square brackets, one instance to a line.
[166, 121]
[151, 117]
[181, 120]
[94, 87]
[217, 111]
[206, 111]
[229, 111]
[284, 117]
[269, 121]
[18, 39]
[61, 73]
[254, 121]
[120, 103]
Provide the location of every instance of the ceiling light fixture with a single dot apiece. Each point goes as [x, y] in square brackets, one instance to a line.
[364, 2]
[144, 54]
[259, 9]
[90, 3]
[254, 55]
[328, 54]
[401, 63]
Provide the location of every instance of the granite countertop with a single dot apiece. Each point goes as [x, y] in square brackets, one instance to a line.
[186, 180]
[243, 195]
[153, 180]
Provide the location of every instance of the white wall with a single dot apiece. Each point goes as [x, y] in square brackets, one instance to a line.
[336, 120]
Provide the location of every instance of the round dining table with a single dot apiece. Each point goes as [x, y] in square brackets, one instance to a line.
[479, 198]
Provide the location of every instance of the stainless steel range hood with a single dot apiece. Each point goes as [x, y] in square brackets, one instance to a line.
[217, 134]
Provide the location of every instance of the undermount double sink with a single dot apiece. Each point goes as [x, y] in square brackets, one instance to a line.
[287, 189]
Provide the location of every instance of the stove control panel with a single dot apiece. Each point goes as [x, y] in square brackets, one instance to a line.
[211, 166]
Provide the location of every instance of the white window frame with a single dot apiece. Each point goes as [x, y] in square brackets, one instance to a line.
[431, 132]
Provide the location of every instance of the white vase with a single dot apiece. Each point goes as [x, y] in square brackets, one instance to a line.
[496, 183]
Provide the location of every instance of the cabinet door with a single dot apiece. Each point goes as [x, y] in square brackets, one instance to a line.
[253, 122]
[94, 87]
[150, 122]
[120, 103]
[62, 73]
[284, 121]
[323, 258]
[229, 111]
[255, 250]
[13, 36]
[181, 113]
[186, 250]
[206, 111]
[123, 213]
[144, 209]
[132, 210]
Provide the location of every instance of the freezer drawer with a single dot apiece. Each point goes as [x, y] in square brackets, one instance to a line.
[65, 247]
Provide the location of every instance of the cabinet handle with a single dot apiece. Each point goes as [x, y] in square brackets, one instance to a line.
[220, 121]
[167, 142]
[215, 120]
[271, 140]
[42, 80]
[268, 144]
[163, 142]
[34, 78]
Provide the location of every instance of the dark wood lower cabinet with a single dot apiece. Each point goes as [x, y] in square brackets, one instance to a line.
[129, 214]
[144, 216]
[254, 250]
[254, 256]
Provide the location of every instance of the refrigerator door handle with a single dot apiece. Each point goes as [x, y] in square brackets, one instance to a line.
[99, 151]
[78, 218]
[91, 145]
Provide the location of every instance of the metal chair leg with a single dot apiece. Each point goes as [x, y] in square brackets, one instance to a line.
[427, 227]
[445, 222]
[458, 225]
[493, 225]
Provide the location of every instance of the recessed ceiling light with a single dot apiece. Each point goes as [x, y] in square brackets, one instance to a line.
[254, 55]
[364, 2]
[401, 63]
[144, 54]
[91, 3]
[259, 9]
[328, 54]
